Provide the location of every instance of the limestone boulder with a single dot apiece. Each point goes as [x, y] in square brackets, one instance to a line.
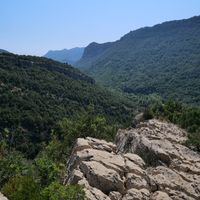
[160, 196]
[148, 162]
[2, 197]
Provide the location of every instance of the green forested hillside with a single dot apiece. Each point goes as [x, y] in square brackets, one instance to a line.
[44, 106]
[36, 92]
[163, 59]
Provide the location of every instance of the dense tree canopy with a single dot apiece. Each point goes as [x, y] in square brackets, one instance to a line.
[36, 92]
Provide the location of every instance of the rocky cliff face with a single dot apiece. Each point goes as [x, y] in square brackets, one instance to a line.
[91, 54]
[148, 162]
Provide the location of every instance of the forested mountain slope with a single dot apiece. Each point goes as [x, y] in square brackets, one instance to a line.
[163, 59]
[35, 93]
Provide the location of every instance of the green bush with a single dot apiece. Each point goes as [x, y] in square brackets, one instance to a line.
[12, 165]
[194, 141]
[86, 125]
[22, 188]
[48, 171]
[56, 191]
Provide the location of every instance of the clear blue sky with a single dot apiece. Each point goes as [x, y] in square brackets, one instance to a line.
[36, 26]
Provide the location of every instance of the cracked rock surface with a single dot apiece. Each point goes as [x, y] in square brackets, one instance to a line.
[148, 162]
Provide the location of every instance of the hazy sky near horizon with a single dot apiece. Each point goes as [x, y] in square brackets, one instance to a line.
[36, 26]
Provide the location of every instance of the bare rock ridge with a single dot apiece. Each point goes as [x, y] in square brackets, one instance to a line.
[148, 162]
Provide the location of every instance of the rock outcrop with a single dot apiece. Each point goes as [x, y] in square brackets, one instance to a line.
[149, 162]
[2, 197]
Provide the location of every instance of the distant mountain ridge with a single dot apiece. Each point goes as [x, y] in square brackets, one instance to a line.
[163, 59]
[69, 56]
[3, 51]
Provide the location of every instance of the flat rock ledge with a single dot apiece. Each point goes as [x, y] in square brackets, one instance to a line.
[149, 162]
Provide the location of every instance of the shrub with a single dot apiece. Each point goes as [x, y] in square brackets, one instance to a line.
[22, 188]
[56, 191]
